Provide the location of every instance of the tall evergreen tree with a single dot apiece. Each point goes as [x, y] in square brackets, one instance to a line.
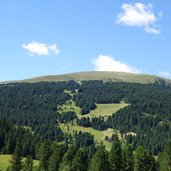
[165, 158]
[115, 156]
[128, 158]
[28, 165]
[56, 157]
[16, 162]
[144, 160]
[66, 164]
[99, 161]
[45, 154]
[80, 161]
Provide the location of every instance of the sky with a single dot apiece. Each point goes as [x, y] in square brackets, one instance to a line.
[52, 37]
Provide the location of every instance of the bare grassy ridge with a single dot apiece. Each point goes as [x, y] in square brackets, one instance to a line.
[98, 75]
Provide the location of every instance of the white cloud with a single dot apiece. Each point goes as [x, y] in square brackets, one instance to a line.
[107, 63]
[139, 15]
[164, 74]
[41, 48]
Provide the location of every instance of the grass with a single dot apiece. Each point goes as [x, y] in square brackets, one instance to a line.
[69, 105]
[99, 136]
[104, 110]
[98, 75]
[5, 162]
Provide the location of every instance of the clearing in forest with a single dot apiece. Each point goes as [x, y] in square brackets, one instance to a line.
[104, 110]
[99, 136]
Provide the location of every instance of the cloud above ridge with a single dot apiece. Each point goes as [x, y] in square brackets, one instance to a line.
[42, 49]
[107, 63]
[140, 15]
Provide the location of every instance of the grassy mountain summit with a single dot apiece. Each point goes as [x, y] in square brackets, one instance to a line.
[99, 75]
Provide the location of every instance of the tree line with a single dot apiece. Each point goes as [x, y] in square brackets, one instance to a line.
[121, 157]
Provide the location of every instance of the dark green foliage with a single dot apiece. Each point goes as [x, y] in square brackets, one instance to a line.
[148, 115]
[128, 158]
[165, 158]
[66, 117]
[66, 164]
[116, 156]
[35, 105]
[83, 139]
[99, 161]
[80, 161]
[45, 155]
[144, 160]
[56, 157]
[11, 134]
[16, 162]
[28, 164]
[97, 123]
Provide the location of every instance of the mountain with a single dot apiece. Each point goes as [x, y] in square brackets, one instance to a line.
[99, 75]
[58, 108]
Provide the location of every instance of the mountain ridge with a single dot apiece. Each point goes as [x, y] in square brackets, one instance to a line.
[99, 75]
[106, 76]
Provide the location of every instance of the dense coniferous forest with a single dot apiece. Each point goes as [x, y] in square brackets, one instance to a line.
[30, 125]
[81, 155]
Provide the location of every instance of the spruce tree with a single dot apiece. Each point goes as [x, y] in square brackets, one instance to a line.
[28, 165]
[128, 158]
[57, 156]
[99, 161]
[140, 159]
[45, 154]
[80, 161]
[164, 159]
[144, 160]
[115, 156]
[16, 162]
[66, 164]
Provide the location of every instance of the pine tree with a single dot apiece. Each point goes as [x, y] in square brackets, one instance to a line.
[115, 156]
[99, 161]
[28, 166]
[152, 164]
[16, 162]
[128, 158]
[144, 160]
[45, 154]
[165, 158]
[80, 160]
[140, 159]
[66, 164]
[57, 156]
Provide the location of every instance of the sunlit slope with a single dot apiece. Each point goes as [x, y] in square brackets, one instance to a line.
[99, 75]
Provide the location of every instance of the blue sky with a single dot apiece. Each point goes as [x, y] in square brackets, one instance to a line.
[49, 37]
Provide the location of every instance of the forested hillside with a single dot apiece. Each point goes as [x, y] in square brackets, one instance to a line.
[148, 114]
[82, 156]
[32, 115]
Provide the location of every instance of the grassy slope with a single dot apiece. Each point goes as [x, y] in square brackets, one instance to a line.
[106, 109]
[100, 75]
[101, 110]
[99, 136]
[5, 162]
